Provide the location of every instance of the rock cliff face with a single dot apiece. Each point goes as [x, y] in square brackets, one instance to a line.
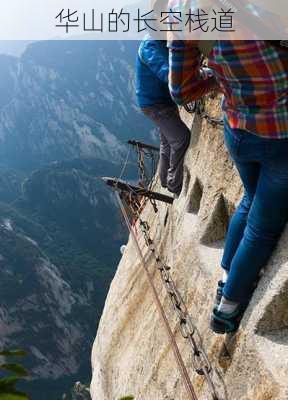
[131, 353]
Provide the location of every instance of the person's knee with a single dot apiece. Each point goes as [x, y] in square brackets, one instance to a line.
[182, 141]
[245, 205]
[261, 235]
[165, 150]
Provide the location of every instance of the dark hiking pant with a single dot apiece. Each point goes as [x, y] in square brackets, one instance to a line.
[174, 141]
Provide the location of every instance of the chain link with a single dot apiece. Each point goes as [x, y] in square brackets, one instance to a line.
[141, 166]
[188, 330]
[198, 107]
[144, 180]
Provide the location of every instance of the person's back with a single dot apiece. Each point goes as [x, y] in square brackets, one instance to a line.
[252, 74]
[254, 78]
[152, 73]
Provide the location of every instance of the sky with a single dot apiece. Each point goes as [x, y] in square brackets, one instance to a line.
[19, 26]
[35, 20]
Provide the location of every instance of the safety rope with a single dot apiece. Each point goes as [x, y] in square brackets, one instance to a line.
[124, 166]
[188, 330]
[180, 363]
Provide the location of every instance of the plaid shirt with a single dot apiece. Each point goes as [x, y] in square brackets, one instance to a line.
[252, 74]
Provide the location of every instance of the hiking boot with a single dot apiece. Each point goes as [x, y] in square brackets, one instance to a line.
[222, 323]
[219, 292]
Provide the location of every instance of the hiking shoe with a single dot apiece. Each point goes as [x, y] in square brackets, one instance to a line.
[219, 292]
[222, 323]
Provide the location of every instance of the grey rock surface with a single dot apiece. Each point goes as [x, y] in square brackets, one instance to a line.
[131, 353]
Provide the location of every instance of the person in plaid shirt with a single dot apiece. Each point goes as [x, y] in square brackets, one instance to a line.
[253, 75]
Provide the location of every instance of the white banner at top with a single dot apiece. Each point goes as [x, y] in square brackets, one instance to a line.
[129, 20]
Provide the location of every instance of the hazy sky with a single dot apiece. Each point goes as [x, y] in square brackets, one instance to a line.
[34, 19]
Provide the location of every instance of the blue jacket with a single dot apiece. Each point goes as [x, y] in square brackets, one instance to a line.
[152, 69]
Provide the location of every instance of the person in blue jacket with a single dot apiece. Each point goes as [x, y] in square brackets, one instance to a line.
[154, 99]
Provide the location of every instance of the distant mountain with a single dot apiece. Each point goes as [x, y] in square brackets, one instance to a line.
[13, 47]
[39, 307]
[10, 184]
[66, 110]
[68, 99]
[59, 245]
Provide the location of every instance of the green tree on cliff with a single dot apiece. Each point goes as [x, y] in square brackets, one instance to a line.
[11, 374]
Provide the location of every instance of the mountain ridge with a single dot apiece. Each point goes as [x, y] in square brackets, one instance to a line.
[65, 115]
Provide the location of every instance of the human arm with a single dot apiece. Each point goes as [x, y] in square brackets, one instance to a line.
[186, 83]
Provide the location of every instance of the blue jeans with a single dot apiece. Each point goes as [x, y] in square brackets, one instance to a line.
[262, 214]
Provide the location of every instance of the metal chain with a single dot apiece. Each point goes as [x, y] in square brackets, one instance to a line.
[189, 331]
[143, 179]
[198, 107]
[180, 363]
[141, 167]
[154, 205]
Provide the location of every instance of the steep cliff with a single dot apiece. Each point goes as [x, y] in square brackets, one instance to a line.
[131, 353]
